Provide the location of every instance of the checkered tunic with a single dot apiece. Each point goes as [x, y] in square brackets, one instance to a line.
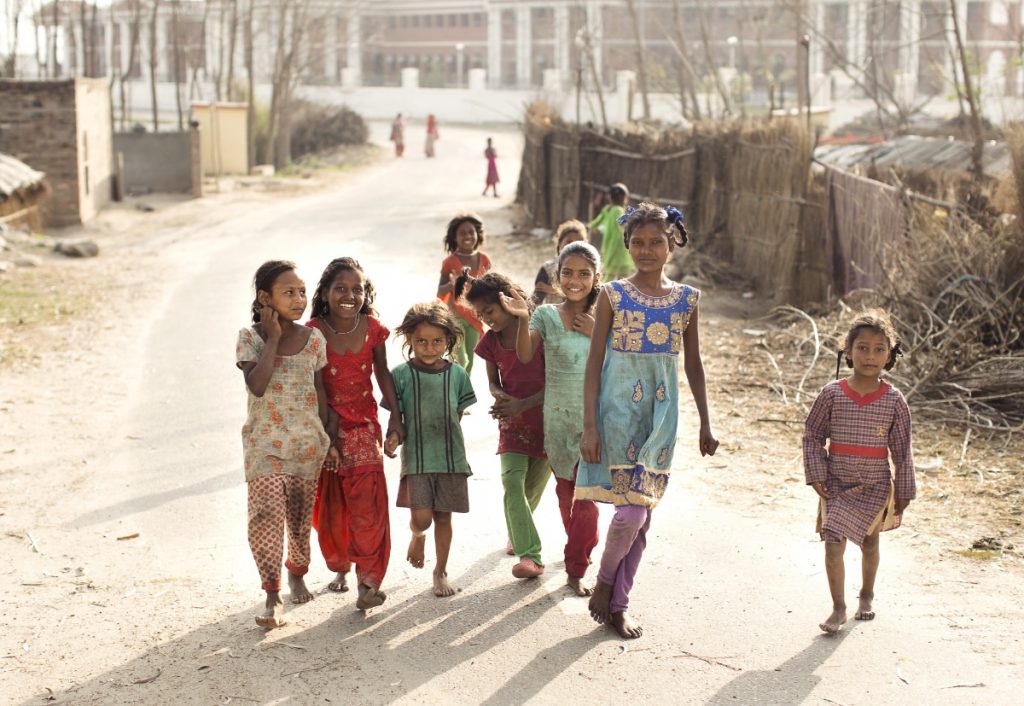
[863, 433]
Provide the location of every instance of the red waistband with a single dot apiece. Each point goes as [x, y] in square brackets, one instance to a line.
[856, 450]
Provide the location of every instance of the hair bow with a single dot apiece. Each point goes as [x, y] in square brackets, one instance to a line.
[625, 216]
[675, 216]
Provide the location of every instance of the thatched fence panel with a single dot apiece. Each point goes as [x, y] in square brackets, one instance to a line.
[766, 199]
[563, 175]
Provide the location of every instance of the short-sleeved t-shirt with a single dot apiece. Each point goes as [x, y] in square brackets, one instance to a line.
[431, 403]
[523, 434]
[283, 432]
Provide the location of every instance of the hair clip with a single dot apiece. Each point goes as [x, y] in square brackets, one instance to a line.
[625, 216]
[897, 350]
[675, 216]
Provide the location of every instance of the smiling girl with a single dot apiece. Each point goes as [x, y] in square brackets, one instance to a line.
[351, 516]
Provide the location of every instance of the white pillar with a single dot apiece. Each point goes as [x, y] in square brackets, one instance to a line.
[563, 44]
[855, 35]
[126, 45]
[595, 26]
[354, 47]
[331, 48]
[524, 47]
[76, 31]
[910, 37]
[108, 48]
[494, 40]
[817, 53]
[163, 41]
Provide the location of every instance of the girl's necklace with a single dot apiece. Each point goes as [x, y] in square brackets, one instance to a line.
[327, 323]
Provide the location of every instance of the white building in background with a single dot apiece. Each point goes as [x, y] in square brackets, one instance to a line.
[537, 45]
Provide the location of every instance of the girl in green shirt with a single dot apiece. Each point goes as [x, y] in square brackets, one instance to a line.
[614, 255]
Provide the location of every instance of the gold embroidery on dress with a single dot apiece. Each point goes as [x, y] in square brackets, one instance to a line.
[638, 392]
[620, 481]
[665, 302]
[631, 452]
[659, 394]
[663, 456]
[657, 333]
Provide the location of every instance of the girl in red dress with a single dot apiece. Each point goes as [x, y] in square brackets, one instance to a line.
[492, 169]
[351, 513]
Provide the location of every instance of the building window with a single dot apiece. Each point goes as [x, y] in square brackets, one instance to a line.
[415, 20]
[478, 19]
[451, 20]
[464, 20]
[439, 20]
[404, 22]
[427, 19]
[391, 23]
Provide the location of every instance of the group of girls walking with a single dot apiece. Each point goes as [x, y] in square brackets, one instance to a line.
[584, 387]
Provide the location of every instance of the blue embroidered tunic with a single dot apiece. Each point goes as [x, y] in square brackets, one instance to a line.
[638, 401]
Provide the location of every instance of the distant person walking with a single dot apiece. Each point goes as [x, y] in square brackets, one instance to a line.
[492, 169]
[398, 135]
[432, 135]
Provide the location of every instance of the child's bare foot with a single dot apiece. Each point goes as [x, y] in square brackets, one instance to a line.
[415, 553]
[441, 586]
[576, 584]
[625, 626]
[864, 611]
[600, 602]
[300, 594]
[369, 597]
[273, 616]
[834, 622]
[339, 584]
[527, 568]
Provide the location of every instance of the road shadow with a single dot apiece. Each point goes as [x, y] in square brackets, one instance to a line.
[789, 683]
[372, 658]
[143, 503]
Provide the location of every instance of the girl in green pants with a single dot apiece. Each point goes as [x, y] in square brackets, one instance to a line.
[518, 390]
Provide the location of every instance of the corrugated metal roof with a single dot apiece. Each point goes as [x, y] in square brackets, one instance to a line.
[15, 175]
[915, 152]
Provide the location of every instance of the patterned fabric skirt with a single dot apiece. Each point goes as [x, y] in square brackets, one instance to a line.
[858, 509]
[360, 447]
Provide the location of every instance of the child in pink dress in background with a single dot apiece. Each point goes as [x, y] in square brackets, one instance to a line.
[865, 420]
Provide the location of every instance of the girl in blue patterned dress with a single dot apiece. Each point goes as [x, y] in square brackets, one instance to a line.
[631, 401]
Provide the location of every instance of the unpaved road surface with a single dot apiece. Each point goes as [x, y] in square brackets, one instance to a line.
[128, 579]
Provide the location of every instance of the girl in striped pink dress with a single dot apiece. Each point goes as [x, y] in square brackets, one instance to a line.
[866, 420]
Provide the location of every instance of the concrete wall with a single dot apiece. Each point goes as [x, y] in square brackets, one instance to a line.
[159, 161]
[95, 146]
[61, 128]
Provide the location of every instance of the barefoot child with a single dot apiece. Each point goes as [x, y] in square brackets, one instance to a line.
[432, 395]
[518, 390]
[462, 242]
[865, 419]
[351, 513]
[631, 401]
[284, 439]
[565, 332]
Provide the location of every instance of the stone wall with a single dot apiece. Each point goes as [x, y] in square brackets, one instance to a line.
[61, 128]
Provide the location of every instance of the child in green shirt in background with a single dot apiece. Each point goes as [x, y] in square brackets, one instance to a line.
[616, 259]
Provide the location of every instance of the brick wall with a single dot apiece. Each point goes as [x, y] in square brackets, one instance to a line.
[48, 125]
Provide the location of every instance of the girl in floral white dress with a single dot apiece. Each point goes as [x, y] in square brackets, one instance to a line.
[284, 437]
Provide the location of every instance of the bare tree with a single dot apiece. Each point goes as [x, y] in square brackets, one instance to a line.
[53, 37]
[688, 79]
[154, 61]
[712, 65]
[291, 27]
[978, 143]
[134, 40]
[584, 40]
[12, 18]
[177, 39]
[641, 68]
[251, 79]
[232, 43]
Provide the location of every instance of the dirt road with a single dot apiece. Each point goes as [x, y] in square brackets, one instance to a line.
[129, 579]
